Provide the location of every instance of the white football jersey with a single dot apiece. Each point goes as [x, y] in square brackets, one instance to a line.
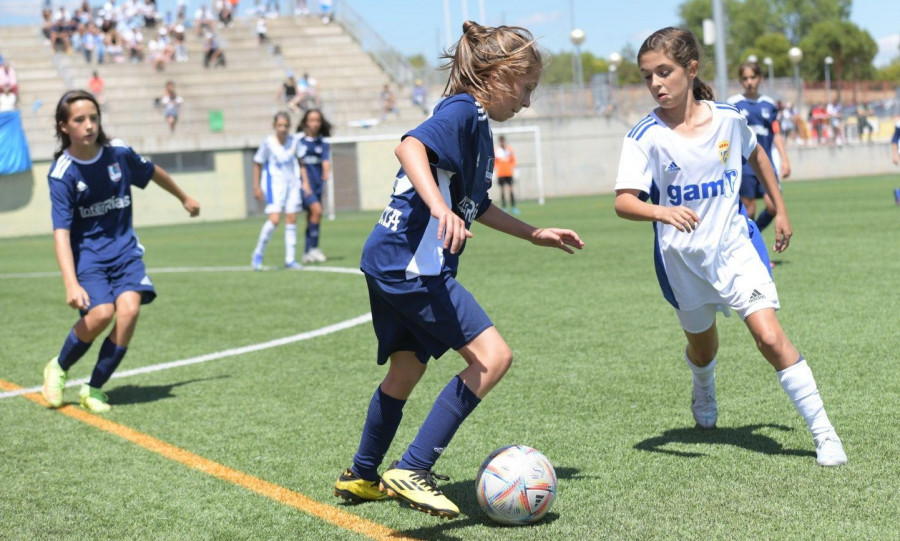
[279, 162]
[717, 262]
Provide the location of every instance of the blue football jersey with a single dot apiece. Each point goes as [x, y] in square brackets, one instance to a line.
[761, 114]
[460, 148]
[92, 199]
[312, 152]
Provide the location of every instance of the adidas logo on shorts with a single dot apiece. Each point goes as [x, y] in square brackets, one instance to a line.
[756, 296]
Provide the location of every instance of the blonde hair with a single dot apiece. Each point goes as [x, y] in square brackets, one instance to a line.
[486, 59]
[681, 46]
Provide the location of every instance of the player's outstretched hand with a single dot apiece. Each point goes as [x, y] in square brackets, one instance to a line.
[783, 232]
[557, 238]
[683, 218]
[192, 206]
[451, 229]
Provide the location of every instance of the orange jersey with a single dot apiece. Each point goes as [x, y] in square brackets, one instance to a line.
[504, 161]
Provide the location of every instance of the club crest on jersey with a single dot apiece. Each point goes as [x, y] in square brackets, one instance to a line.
[467, 210]
[723, 151]
[489, 172]
[115, 172]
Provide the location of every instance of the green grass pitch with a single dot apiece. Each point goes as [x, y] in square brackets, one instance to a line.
[597, 384]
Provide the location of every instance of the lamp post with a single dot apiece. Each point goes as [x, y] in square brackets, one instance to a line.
[828, 62]
[753, 58]
[768, 62]
[796, 55]
[577, 36]
[615, 60]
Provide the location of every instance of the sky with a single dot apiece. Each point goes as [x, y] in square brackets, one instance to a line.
[418, 26]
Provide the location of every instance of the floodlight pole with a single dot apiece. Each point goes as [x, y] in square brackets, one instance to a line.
[721, 62]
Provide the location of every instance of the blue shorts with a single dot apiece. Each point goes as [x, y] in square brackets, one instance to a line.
[427, 315]
[105, 284]
[311, 199]
[752, 188]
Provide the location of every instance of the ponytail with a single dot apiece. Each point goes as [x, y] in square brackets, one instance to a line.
[703, 91]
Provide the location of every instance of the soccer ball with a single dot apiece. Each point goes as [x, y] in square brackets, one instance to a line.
[516, 485]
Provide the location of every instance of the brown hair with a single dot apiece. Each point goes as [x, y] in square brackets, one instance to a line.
[324, 129]
[682, 46]
[505, 51]
[63, 111]
[753, 66]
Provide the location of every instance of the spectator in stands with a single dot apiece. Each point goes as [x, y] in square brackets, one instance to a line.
[181, 52]
[862, 121]
[307, 93]
[114, 47]
[327, 9]
[8, 77]
[161, 49]
[213, 52]
[92, 42]
[203, 20]
[388, 102]
[262, 30]
[47, 26]
[835, 112]
[59, 35]
[8, 100]
[420, 96]
[96, 85]
[287, 93]
[171, 103]
[181, 11]
[300, 8]
[225, 14]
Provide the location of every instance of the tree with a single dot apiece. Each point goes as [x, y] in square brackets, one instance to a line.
[851, 48]
[774, 46]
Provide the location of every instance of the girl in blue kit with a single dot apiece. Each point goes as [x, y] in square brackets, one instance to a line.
[680, 169]
[96, 247]
[315, 170]
[761, 114]
[410, 261]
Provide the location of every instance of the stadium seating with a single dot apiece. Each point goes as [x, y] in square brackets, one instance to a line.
[349, 83]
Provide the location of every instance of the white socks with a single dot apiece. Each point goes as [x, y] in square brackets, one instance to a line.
[704, 376]
[290, 243]
[264, 237]
[800, 386]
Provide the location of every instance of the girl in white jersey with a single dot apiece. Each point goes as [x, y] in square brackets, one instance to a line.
[276, 180]
[686, 158]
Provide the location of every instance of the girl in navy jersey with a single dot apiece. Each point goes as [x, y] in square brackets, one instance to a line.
[685, 157]
[315, 170]
[410, 261]
[761, 114]
[96, 247]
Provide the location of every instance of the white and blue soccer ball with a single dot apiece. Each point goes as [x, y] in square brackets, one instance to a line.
[516, 485]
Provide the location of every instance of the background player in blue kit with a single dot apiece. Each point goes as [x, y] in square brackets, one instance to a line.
[315, 170]
[276, 180]
[685, 157]
[761, 113]
[96, 247]
[410, 260]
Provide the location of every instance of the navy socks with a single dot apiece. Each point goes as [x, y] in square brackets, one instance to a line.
[382, 420]
[72, 350]
[451, 408]
[110, 357]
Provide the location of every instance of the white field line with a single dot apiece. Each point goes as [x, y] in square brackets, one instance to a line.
[214, 356]
[168, 270]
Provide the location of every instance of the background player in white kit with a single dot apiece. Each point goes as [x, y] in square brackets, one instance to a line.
[276, 180]
[685, 156]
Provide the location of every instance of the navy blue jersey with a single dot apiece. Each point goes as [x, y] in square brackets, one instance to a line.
[460, 148]
[92, 199]
[761, 115]
[312, 152]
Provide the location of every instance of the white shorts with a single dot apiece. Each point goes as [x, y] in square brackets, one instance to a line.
[751, 300]
[281, 196]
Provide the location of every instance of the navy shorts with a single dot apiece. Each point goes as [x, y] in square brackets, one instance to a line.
[427, 315]
[311, 199]
[105, 284]
[752, 188]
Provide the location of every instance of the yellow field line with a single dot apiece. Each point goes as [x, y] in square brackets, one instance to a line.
[285, 496]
